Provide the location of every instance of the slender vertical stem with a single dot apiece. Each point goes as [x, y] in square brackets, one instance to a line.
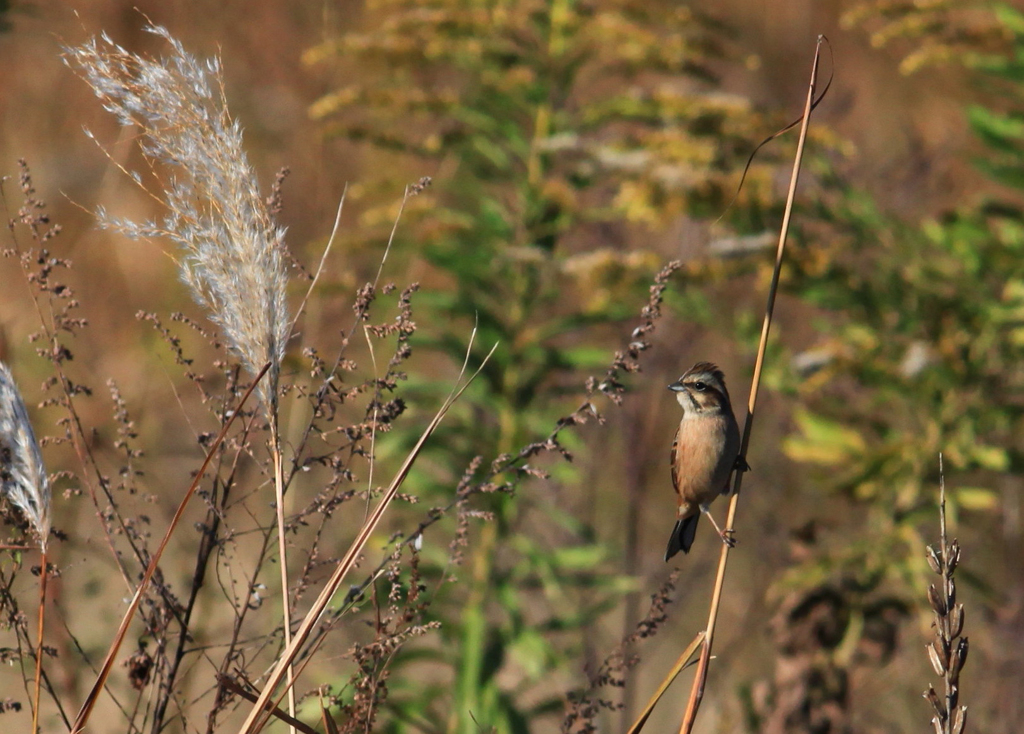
[470, 708]
[474, 704]
[700, 679]
[39, 637]
[682, 662]
[282, 549]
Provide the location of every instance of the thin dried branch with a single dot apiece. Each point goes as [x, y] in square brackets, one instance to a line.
[697, 691]
[256, 718]
[90, 702]
[613, 669]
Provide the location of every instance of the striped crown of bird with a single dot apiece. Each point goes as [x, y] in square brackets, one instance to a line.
[705, 451]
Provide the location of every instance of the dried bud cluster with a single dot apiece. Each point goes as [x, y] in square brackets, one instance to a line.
[585, 706]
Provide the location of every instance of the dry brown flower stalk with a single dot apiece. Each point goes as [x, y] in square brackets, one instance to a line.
[948, 650]
[612, 672]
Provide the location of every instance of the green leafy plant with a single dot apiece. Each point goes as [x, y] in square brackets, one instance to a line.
[556, 134]
[917, 334]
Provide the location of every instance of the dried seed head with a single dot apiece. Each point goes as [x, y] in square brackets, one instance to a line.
[936, 702]
[934, 560]
[937, 663]
[960, 720]
[935, 599]
[231, 248]
[956, 621]
[953, 557]
[960, 658]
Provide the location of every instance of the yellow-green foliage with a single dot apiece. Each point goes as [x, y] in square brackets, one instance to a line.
[556, 133]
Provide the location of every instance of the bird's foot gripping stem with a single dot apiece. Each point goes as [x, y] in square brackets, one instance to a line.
[728, 536]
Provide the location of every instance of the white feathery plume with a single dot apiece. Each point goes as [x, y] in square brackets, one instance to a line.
[25, 482]
[232, 249]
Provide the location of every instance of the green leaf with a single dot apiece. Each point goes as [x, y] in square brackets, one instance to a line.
[997, 130]
[578, 558]
[823, 441]
[1011, 18]
[585, 357]
[976, 498]
[1012, 176]
[990, 457]
[532, 652]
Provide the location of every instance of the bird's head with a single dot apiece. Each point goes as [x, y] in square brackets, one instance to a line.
[701, 390]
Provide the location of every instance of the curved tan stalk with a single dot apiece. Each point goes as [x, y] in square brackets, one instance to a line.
[697, 691]
[40, 625]
[282, 552]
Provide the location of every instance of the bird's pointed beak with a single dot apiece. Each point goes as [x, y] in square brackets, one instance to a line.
[676, 387]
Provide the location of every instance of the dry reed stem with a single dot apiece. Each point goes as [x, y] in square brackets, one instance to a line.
[700, 679]
[238, 690]
[108, 661]
[258, 716]
[329, 726]
[282, 552]
[323, 261]
[681, 664]
[40, 628]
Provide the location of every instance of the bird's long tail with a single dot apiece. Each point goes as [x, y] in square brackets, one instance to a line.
[682, 535]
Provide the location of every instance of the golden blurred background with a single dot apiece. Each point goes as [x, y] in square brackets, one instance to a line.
[899, 140]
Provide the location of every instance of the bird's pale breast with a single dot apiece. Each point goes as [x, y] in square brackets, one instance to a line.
[703, 455]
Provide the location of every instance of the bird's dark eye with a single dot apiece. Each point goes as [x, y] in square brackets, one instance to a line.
[699, 386]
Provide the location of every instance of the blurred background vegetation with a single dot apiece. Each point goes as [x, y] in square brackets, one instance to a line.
[574, 149]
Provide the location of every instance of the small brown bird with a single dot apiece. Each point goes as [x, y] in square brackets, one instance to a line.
[704, 453]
